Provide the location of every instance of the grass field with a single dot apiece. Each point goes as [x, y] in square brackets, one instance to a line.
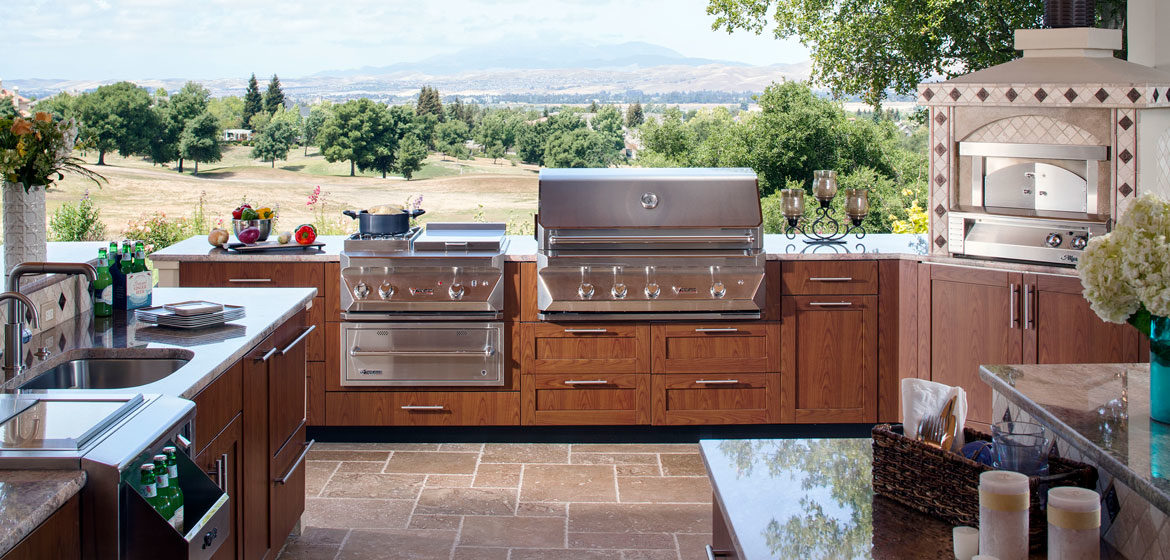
[452, 190]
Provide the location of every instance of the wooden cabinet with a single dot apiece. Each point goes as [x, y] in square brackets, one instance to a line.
[423, 408]
[1061, 328]
[287, 388]
[705, 347]
[830, 359]
[58, 537]
[585, 348]
[829, 277]
[715, 398]
[222, 460]
[217, 405]
[586, 399]
[286, 488]
[262, 274]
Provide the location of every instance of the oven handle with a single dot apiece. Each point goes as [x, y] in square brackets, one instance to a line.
[486, 352]
[582, 239]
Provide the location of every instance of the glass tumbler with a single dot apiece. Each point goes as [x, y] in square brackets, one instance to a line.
[1022, 447]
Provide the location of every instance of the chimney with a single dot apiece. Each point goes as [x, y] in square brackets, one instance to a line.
[1147, 46]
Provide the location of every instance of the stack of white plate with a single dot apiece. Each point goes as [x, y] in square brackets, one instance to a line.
[167, 318]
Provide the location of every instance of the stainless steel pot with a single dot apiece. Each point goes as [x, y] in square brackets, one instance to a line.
[384, 224]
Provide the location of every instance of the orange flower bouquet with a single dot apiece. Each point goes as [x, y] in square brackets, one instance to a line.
[39, 151]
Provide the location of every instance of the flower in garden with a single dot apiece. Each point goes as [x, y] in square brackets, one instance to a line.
[20, 127]
[42, 116]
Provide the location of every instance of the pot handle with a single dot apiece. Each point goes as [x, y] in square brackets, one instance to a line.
[416, 212]
[350, 213]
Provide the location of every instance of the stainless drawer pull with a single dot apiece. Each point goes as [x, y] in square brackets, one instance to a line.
[298, 340]
[486, 352]
[250, 280]
[267, 355]
[716, 381]
[1013, 297]
[587, 382]
[831, 303]
[297, 463]
[423, 407]
[831, 279]
[713, 553]
[586, 331]
[719, 330]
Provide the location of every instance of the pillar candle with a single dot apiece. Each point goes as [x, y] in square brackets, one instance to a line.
[1003, 515]
[966, 542]
[1074, 524]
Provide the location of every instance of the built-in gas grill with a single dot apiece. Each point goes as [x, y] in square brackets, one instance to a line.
[424, 308]
[659, 244]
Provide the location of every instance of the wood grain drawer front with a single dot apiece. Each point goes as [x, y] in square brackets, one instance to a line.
[268, 274]
[585, 348]
[829, 277]
[217, 404]
[717, 398]
[286, 489]
[592, 399]
[466, 408]
[833, 347]
[698, 348]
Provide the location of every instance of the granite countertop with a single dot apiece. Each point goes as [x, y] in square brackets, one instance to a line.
[1102, 410]
[29, 497]
[210, 351]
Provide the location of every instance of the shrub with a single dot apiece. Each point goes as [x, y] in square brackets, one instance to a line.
[156, 231]
[77, 222]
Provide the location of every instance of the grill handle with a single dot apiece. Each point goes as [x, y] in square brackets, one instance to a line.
[486, 352]
[583, 239]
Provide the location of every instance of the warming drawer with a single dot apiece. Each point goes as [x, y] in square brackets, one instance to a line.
[422, 354]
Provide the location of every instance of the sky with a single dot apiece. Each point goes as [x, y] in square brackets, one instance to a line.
[138, 39]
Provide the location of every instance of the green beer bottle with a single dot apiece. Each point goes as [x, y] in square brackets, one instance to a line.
[139, 264]
[103, 288]
[113, 251]
[176, 491]
[167, 490]
[126, 262]
[148, 485]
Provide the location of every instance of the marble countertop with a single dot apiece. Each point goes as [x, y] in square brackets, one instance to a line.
[1102, 410]
[29, 497]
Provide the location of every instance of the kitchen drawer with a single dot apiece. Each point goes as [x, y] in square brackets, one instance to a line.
[217, 404]
[425, 408]
[586, 399]
[705, 347]
[266, 274]
[286, 489]
[585, 348]
[816, 278]
[718, 398]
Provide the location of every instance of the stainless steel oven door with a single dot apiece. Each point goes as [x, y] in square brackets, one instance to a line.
[422, 354]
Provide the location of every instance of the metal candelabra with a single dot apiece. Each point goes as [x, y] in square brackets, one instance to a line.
[825, 228]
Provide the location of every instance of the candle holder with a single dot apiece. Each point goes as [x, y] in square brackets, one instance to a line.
[825, 228]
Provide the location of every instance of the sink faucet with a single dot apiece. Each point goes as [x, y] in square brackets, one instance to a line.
[14, 328]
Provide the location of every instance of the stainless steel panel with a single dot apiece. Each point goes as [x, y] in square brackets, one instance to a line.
[460, 237]
[1023, 239]
[1034, 151]
[648, 198]
[105, 373]
[1035, 186]
[422, 354]
[432, 286]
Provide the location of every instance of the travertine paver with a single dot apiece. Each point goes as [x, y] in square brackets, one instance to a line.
[460, 501]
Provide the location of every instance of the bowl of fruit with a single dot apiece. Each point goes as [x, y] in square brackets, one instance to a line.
[251, 225]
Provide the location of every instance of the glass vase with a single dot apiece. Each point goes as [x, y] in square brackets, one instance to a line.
[1160, 369]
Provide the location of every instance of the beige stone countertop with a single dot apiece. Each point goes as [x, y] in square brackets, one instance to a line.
[210, 350]
[29, 497]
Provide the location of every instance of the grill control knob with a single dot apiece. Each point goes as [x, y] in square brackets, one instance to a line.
[456, 291]
[619, 291]
[361, 290]
[652, 291]
[718, 289]
[1080, 241]
[585, 290]
[387, 291]
[1053, 240]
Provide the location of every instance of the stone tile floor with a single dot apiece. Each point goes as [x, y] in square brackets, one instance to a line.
[504, 502]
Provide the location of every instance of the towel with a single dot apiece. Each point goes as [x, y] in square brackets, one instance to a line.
[922, 398]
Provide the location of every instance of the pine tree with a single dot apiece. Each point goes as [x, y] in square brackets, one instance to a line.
[252, 101]
[593, 106]
[429, 103]
[274, 97]
[634, 115]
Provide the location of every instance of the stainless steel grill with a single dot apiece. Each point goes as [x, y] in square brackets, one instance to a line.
[649, 243]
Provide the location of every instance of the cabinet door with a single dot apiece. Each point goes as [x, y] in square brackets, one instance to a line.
[286, 487]
[1061, 328]
[706, 347]
[222, 460]
[58, 537]
[423, 408]
[256, 456]
[831, 374]
[714, 398]
[974, 320]
[586, 347]
[271, 274]
[287, 403]
[559, 399]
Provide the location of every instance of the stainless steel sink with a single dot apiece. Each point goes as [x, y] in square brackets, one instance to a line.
[105, 373]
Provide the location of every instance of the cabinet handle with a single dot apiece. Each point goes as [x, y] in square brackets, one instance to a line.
[216, 472]
[831, 303]
[716, 381]
[831, 279]
[587, 382]
[267, 355]
[487, 352]
[223, 472]
[249, 280]
[298, 340]
[297, 463]
[183, 442]
[713, 553]
[586, 331]
[423, 407]
[719, 330]
[1013, 302]
[1028, 306]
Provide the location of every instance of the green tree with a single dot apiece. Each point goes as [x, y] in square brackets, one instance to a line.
[495, 151]
[275, 142]
[429, 103]
[185, 106]
[200, 140]
[116, 117]
[634, 115]
[608, 123]
[364, 133]
[61, 106]
[450, 137]
[229, 111]
[869, 47]
[167, 129]
[579, 148]
[311, 127]
[530, 142]
[410, 155]
[498, 127]
[273, 96]
[593, 106]
[253, 102]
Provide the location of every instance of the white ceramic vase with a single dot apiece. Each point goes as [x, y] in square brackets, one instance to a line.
[25, 232]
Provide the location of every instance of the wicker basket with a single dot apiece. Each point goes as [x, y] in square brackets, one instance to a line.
[945, 485]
